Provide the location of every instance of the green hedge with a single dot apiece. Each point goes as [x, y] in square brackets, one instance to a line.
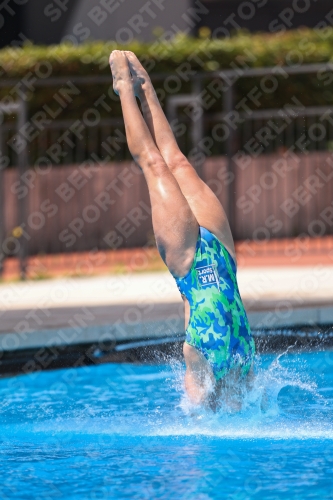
[293, 47]
[268, 49]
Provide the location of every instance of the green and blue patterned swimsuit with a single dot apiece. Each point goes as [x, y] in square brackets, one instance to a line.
[218, 326]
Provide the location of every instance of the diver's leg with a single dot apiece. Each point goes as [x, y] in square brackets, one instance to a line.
[203, 202]
[175, 226]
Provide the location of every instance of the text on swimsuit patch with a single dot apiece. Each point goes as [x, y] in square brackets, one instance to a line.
[207, 276]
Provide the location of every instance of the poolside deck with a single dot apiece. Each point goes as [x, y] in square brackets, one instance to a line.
[76, 310]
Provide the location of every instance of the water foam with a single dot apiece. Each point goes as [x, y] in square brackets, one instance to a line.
[264, 411]
[283, 401]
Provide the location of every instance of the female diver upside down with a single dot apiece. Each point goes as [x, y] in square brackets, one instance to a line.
[192, 235]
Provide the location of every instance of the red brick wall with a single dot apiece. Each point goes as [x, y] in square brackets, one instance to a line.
[69, 208]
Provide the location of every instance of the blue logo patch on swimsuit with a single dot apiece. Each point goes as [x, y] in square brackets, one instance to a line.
[207, 275]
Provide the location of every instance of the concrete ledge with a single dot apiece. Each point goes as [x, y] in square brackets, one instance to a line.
[168, 324]
[104, 334]
[291, 317]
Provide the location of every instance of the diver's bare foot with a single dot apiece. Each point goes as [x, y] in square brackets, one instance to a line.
[120, 70]
[140, 77]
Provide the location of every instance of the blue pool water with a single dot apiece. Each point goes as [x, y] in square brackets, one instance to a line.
[128, 432]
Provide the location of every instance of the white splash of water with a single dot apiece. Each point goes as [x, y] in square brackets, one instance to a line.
[267, 408]
[254, 411]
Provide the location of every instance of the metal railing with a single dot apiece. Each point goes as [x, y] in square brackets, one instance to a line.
[273, 131]
[20, 109]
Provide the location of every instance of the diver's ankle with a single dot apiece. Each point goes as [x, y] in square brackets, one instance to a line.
[147, 87]
[123, 85]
